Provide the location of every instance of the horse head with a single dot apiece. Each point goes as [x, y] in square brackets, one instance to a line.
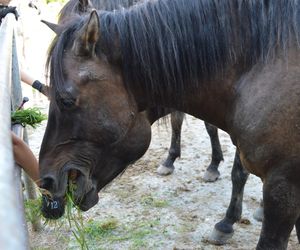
[94, 129]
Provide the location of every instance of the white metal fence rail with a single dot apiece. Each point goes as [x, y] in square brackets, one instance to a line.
[13, 228]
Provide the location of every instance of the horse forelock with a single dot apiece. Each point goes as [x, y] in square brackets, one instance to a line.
[166, 44]
[72, 19]
[56, 54]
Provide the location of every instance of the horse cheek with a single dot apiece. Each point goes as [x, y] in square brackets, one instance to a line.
[137, 141]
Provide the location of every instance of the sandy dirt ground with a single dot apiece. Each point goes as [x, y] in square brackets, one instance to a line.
[150, 211]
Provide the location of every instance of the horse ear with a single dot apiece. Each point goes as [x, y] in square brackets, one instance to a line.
[55, 27]
[84, 5]
[88, 36]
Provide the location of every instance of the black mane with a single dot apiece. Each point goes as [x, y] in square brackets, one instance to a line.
[166, 44]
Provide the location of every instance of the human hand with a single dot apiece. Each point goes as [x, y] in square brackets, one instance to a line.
[45, 90]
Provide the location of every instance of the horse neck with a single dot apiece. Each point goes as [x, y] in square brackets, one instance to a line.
[240, 38]
[211, 100]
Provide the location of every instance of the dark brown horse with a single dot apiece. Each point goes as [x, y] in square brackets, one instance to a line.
[232, 63]
[239, 176]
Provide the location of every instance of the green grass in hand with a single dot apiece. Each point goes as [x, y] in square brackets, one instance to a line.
[29, 116]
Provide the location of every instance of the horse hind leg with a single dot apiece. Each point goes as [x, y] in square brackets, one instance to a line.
[259, 212]
[212, 173]
[167, 167]
[281, 208]
[223, 230]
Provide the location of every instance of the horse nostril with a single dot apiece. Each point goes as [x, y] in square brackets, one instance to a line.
[48, 183]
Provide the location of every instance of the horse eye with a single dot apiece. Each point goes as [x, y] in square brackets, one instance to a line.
[68, 102]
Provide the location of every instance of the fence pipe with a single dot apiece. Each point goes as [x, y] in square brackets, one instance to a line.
[13, 231]
[16, 99]
[31, 193]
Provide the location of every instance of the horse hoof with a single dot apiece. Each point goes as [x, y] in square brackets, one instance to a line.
[163, 170]
[218, 237]
[211, 176]
[259, 214]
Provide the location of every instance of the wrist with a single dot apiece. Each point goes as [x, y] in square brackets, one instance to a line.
[37, 85]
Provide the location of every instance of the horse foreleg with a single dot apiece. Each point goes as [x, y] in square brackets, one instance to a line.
[212, 173]
[281, 209]
[167, 167]
[223, 230]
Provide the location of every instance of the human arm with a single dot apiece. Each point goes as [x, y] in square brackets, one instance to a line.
[36, 84]
[5, 2]
[25, 158]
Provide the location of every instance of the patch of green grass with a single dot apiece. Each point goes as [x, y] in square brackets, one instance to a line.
[98, 229]
[138, 238]
[110, 231]
[138, 244]
[32, 210]
[140, 231]
[149, 200]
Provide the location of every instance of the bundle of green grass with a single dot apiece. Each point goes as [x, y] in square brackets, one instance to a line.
[29, 116]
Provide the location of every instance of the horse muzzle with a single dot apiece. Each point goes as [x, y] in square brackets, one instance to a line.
[73, 183]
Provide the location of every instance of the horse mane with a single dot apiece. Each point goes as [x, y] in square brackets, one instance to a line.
[167, 44]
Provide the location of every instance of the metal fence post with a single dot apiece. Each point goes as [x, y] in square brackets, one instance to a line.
[13, 228]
